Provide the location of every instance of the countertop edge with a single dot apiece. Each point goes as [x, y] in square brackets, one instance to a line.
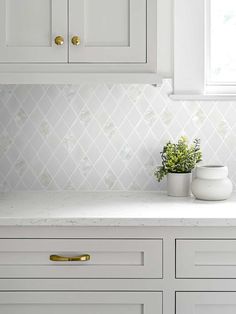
[119, 222]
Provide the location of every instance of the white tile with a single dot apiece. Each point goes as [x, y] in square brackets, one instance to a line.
[69, 167]
[77, 179]
[70, 92]
[117, 92]
[85, 166]
[44, 104]
[12, 154]
[126, 179]
[44, 128]
[5, 166]
[5, 116]
[86, 91]
[109, 179]
[109, 105]
[53, 93]
[94, 153]
[102, 137]
[109, 129]
[101, 166]
[37, 92]
[85, 141]
[21, 117]
[102, 92]
[93, 178]
[45, 179]
[21, 92]
[85, 116]
[77, 104]
[12, 104]
[5, 143]
[60, 153]
[6, 91]
[44, 153]
[126, 153]
[61, 179]
[69, 117]
[118, 115]
[109, 154]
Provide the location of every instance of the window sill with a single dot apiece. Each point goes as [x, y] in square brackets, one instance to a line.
[204, 97]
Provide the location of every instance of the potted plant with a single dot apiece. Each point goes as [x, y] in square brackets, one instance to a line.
[178, 161]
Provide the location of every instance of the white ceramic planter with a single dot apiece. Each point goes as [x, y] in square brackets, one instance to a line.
[179, 184]
[212, 183]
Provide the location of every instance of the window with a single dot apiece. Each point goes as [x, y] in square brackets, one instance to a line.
[221, 43]
[205, 49]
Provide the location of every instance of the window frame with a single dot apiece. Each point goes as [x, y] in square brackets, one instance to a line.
[191, 54]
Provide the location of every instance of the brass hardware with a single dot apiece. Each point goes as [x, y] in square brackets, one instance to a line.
[59, 40]
[76, 40]
[81, 258]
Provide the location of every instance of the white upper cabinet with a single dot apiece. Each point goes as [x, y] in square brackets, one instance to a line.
[111, 31]
[28, 30]
[73, 41]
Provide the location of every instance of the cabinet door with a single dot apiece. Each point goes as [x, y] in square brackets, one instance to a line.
[28, 29]
[81, 302]
[110, 31]
[206, 303]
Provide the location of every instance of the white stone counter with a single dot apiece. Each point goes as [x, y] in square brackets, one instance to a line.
[112, 209]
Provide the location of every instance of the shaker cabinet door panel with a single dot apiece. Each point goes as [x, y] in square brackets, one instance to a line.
[205, 303]
[110, 31]
[81, 302]
[28, 29]
[113, 258]
[206, 258]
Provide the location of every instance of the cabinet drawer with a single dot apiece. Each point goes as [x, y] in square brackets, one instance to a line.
[81, 302]
[30, 258]
[206, 258]
[206, 303]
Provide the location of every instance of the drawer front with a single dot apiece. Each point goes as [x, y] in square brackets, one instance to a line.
[206, 258]
[81, 302]
[206, 303]
[30, 258]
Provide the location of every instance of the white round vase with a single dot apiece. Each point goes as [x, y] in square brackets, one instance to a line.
[212, 183]
[179, 184]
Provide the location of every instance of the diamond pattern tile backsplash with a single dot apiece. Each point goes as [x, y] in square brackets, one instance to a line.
[102, 137]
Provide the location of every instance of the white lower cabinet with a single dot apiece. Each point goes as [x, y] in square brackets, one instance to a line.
[206, 303]
[125, 270]
[80, 302]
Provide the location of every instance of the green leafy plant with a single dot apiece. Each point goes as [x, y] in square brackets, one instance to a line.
[179, 157]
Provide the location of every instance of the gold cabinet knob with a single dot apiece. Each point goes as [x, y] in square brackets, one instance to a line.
[59, 40]
[76, 40]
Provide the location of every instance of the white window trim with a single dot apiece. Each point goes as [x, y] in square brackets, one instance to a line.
[190, 59]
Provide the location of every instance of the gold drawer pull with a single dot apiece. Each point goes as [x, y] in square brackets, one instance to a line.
[81, 258]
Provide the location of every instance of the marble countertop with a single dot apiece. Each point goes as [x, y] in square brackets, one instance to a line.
[112, 209]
